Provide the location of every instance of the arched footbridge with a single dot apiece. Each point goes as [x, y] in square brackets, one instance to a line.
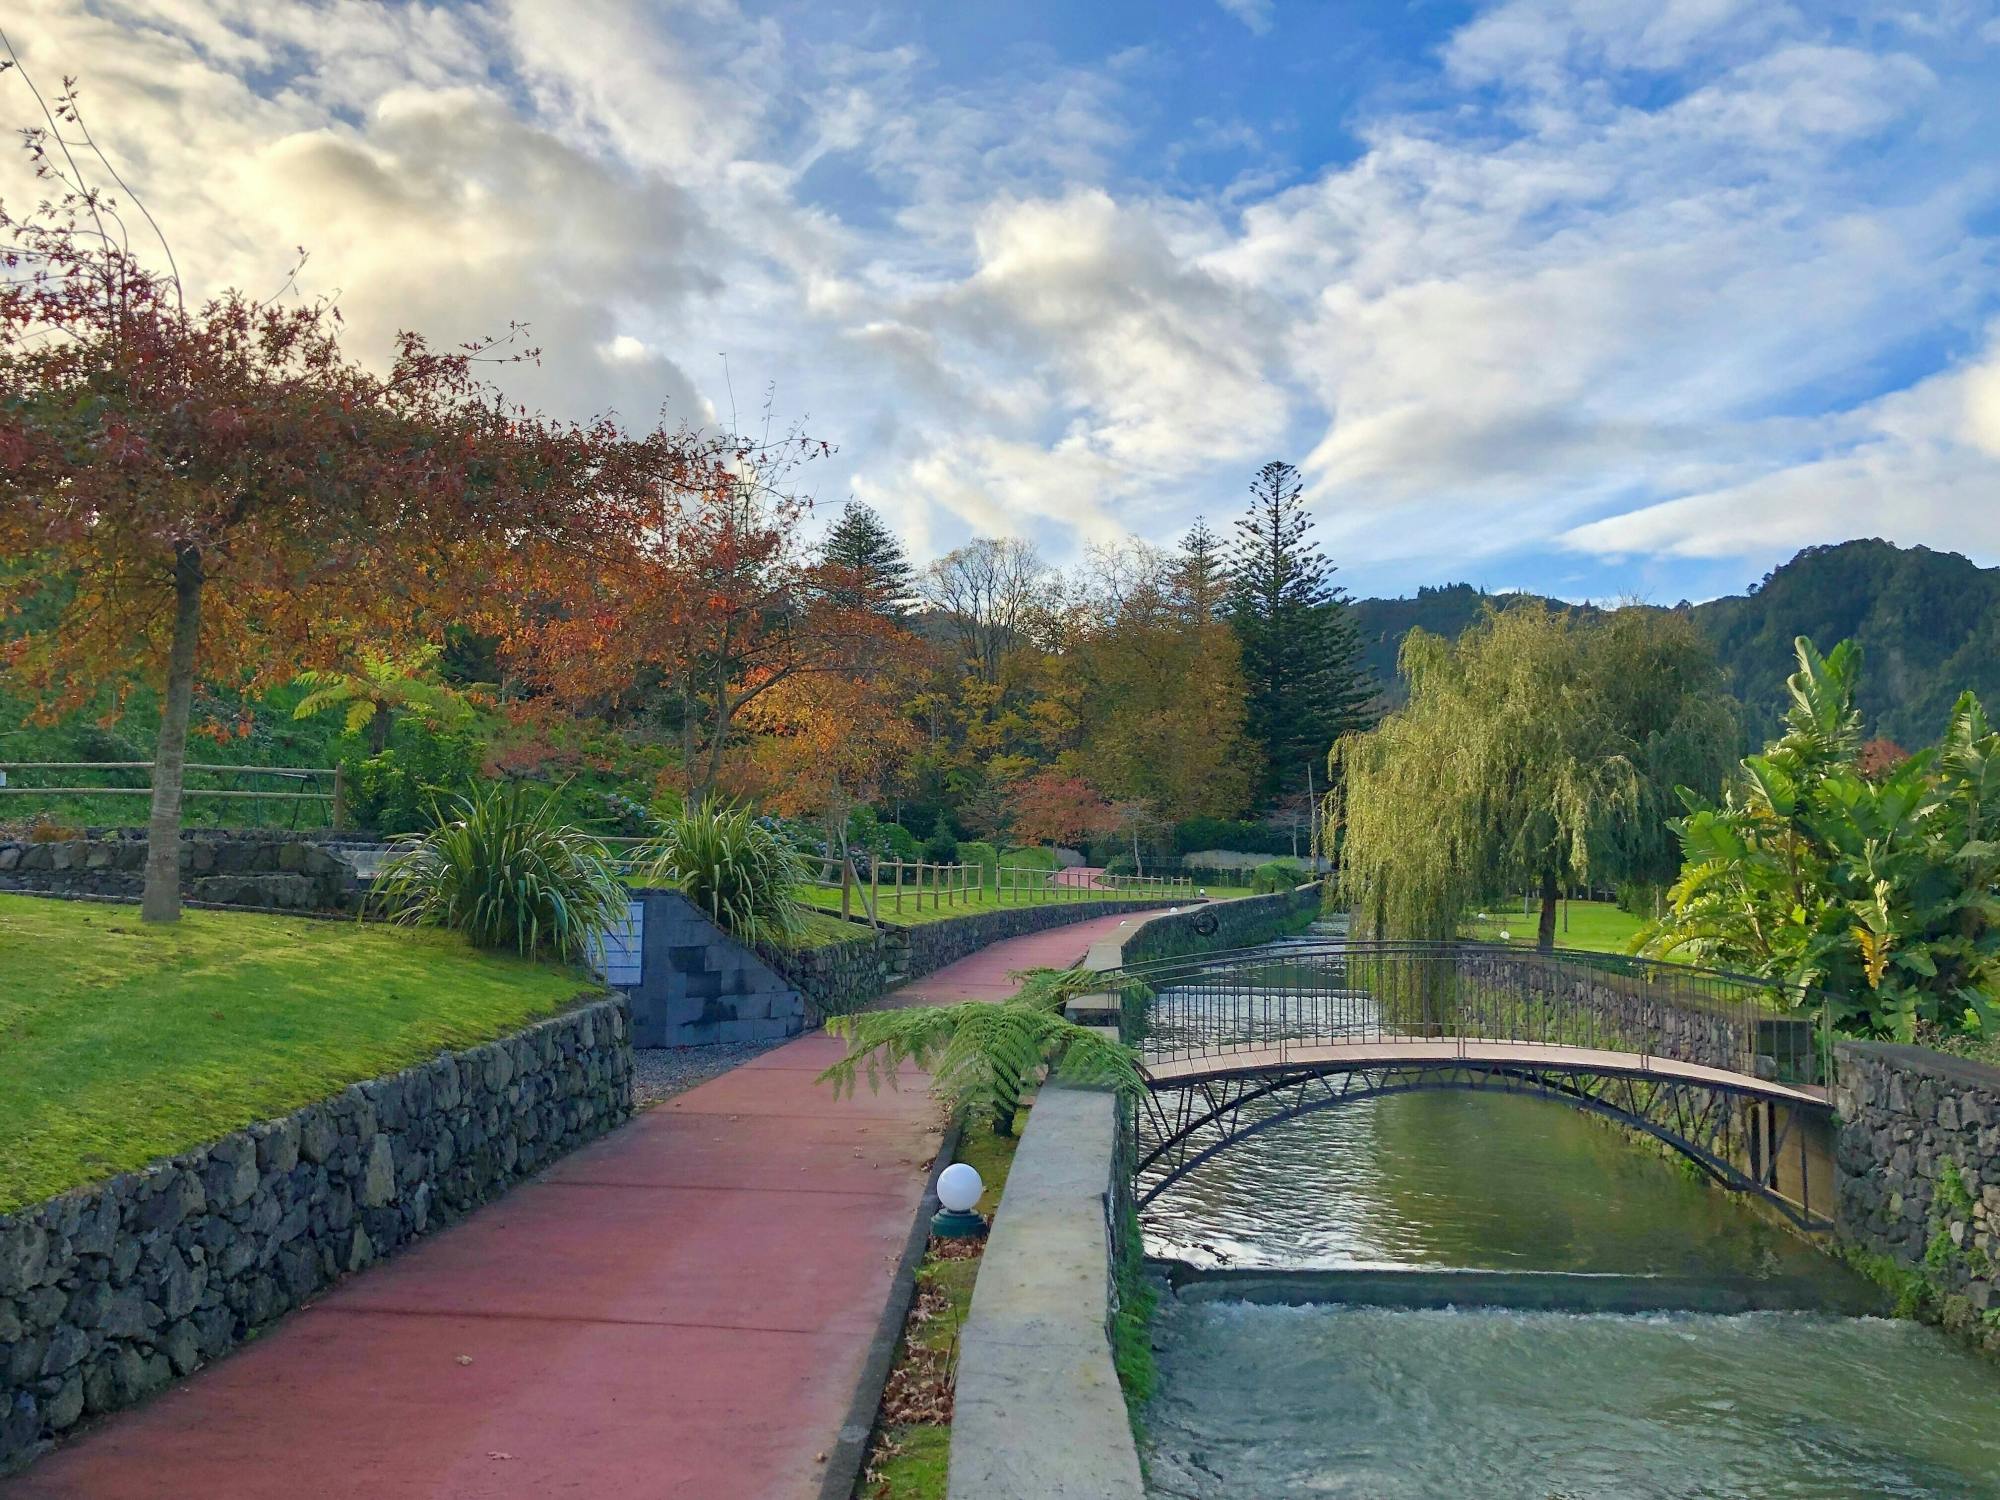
[1728, 1070]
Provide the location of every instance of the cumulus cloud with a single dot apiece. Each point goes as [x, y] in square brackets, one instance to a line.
[1623, 278]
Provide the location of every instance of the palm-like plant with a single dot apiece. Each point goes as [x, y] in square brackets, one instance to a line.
[500, 867]
[740, 872]
[981, 1055]
[1880, 890]
[385, 686]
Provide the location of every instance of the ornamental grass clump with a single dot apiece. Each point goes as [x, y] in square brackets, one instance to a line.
[740, 872]
[501, 868]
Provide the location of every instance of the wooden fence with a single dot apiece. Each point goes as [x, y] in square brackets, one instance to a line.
[332, 778]
[892, 882]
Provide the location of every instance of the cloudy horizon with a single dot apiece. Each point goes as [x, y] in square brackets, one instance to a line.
[1601, 298]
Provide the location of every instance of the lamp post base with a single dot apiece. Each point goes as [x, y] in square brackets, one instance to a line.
[950, 1224]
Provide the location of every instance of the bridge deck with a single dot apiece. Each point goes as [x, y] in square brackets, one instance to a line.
[1374, 1052]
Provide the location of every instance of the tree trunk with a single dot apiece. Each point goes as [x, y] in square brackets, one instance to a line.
[161, 901]
[379, 725]
[1545, 934]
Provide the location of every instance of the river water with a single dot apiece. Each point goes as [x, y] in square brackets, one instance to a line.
[1381, 1403]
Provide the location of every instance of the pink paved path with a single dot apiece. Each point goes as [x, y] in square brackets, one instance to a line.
[679, 1310]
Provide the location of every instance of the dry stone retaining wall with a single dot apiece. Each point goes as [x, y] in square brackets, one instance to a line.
[1918, 1157]
[282, 871]
[110, 1292]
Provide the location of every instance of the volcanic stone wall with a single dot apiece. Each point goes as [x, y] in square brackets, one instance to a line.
[110, 1292]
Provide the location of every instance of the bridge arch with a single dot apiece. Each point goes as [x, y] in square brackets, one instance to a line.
[1724, 1069]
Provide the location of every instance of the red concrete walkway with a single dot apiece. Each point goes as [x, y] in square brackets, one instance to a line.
[679, 1310]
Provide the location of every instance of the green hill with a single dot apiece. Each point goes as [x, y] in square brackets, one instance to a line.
[1928, 623]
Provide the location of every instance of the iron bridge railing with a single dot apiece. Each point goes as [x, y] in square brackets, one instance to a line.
[1322, 992]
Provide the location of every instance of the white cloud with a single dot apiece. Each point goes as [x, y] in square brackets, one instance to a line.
[1595, 283]
[1256, 14]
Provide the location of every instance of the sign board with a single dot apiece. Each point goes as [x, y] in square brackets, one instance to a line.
[618, 957]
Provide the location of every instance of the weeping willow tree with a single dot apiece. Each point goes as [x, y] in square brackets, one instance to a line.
[1539, 748]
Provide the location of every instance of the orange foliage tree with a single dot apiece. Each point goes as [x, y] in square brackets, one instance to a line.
[220, 493]
[1055, 807]
[827, 745]
[699, 595]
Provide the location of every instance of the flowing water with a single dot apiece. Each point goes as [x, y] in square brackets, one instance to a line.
[1390, 1404]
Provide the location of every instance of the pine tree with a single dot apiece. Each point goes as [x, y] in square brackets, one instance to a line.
[1201, 577]
[1302, 663]
[876, 574]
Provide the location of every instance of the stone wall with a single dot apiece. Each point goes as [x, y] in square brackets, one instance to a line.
[1038, 1409]
[110, 1292]
[254, 868]
[698, 985]
[842, 977]
[1645, 1014]
[1918, 1162]
[1221, 925]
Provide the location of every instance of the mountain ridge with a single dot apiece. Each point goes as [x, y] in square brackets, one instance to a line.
[1928, 624]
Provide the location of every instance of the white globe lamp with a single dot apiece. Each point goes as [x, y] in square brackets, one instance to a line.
[958, 1190]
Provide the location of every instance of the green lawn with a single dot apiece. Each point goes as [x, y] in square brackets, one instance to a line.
[120, 1043]
[1594, 926]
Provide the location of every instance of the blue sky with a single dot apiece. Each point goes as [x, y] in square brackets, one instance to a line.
[1608, 298]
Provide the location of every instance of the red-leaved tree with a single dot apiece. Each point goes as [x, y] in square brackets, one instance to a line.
[219, 492]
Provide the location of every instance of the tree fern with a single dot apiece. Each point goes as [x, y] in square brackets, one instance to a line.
[982, 1055]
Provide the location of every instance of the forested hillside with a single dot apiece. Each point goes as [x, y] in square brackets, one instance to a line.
[1928, 623]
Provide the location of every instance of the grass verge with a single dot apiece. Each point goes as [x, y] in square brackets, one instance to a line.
[1588, 926]
[125, 1042]
[910, 1455]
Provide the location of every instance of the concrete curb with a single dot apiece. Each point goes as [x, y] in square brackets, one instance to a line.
[850, 1450]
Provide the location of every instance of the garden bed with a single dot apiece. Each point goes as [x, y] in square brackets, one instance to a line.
[126, 1042]
[909, 1456]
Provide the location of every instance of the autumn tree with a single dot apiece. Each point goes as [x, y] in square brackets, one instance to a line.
[1302, 663]
[1163, 714]
[698, 597]
[217, 491]
[1056, 807]
[827, 744]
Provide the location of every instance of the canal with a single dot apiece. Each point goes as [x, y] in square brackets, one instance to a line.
[1546, 1399]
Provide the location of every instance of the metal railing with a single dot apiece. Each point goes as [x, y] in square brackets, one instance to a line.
[332, 778]
[1318, 992]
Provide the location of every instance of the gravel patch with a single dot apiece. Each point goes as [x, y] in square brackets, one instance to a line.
[662, 1072]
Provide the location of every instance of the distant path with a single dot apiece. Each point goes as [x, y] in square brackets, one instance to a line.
[680, 1310]
[983, 975]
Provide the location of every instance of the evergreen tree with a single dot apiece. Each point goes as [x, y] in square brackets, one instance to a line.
[876, 574]
[1201, 576]
[1302, 662]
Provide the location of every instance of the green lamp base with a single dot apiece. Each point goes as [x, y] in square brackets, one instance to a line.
[949, 1224]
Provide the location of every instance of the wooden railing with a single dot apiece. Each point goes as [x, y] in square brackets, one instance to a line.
[332, 777]
[892, 882]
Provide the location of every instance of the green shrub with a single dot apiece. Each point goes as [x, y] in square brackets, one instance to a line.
[1028, 857]
[1278, 875]
[1229, 833]
[398, 791]
[941, 847]
[501, 868]
[977, 852]
[738, 871]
